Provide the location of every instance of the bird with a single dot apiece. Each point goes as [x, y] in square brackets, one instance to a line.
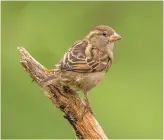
[87, 61]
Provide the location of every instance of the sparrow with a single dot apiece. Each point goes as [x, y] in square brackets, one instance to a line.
[84, 65]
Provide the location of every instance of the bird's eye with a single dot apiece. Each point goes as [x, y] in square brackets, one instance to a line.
[104, 34]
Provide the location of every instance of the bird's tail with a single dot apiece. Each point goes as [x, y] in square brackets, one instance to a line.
[49, 80]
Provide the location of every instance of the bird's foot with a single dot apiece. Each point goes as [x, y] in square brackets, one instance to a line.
[88, 107]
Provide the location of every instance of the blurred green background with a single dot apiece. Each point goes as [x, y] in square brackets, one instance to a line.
[128, 103]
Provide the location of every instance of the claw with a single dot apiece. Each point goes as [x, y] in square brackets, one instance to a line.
[87, 107]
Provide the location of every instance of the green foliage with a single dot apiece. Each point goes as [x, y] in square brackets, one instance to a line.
[128, 103]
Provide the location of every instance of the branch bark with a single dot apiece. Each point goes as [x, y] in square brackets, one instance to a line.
[67, 101]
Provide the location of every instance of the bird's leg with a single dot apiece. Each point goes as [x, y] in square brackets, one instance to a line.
[88, 107]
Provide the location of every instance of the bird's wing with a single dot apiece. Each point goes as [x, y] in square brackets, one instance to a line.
[84, 58]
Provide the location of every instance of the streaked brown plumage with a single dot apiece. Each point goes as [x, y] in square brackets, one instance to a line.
[87, 61]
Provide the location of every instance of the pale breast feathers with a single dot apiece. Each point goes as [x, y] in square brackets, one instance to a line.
[84, 58]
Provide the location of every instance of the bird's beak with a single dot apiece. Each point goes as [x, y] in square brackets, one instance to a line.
[114, 37]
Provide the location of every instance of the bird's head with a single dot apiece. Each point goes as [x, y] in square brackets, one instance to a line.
[102, 36]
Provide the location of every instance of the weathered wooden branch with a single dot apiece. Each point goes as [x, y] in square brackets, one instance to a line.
[67, 101]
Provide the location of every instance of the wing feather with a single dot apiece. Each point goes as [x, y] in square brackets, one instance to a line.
[84, 58]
